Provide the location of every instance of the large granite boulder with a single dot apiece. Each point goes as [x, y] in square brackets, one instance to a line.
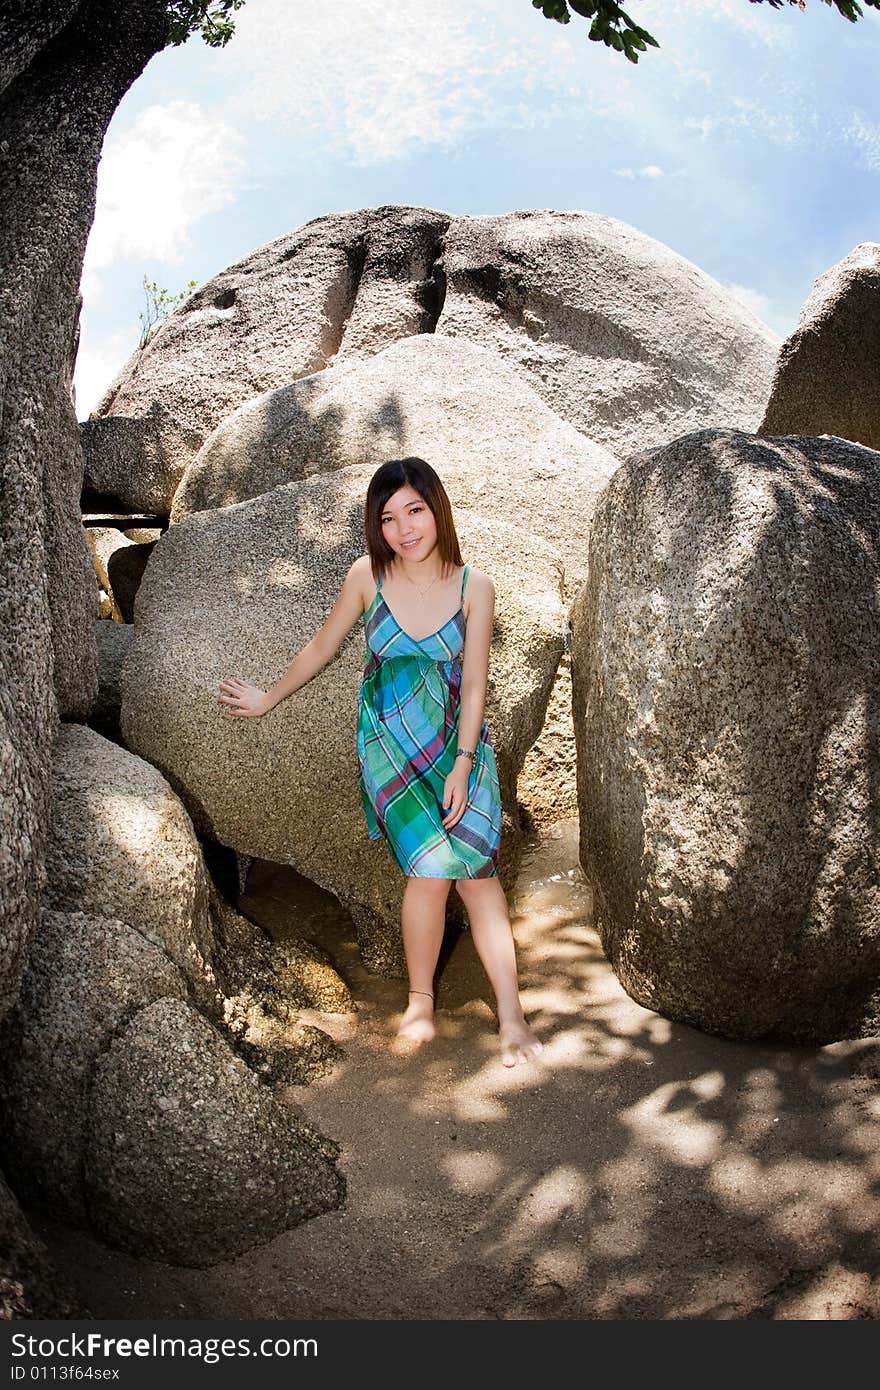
[239, 591]
[89, 979]
[490, 437]
[86, 976]
[121, 845]
[119, 566]
[64, 66]
[279, 314]
[725, 663]
[827, 377]
[190, 1158]
[624, 340]
[622, 337]
[125, 1110]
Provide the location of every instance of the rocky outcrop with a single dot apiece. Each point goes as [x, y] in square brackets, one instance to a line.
[240, 591]
[627, 341]
[112, 641]
[280, 314]
[190, 1158]
[126, 1111]
[725, 672]
[86, 977]
[490, 437]
[63, 69]
[122, 846]
[622, 339]
[827, 377]
[119, 566]
[131, 921]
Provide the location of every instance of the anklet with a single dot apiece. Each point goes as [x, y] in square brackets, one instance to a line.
[422, 991]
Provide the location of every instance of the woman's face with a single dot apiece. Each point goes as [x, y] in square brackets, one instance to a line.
[408, 524]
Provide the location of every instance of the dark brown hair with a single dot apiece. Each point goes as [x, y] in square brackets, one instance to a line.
[386, 480]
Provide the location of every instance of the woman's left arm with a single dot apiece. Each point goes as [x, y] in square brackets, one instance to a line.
[475, 668]
[474, 680]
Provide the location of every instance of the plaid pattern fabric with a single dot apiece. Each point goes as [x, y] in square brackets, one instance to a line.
[407, 739]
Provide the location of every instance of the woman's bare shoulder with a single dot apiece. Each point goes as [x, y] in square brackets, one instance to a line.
[480, 579]
[359, 580]
[480, 589]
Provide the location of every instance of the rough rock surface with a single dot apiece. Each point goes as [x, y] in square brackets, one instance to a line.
[29, 1286]
[112, 641]
[240, 591]
[725, 663]
[190, 1158]
[826, 379]
[629, 342]
[547, 785]
[121, 845]
[296, 972]
[119, 565]
[87, 981]
[626, 341]
[490, 437]
[86, 976]
[266, 983]
[63, 69]
[277, 315]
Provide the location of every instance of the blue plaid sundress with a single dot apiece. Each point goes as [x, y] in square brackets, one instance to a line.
[407, 739]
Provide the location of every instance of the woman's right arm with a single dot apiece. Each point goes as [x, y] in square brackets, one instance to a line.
[244, 699]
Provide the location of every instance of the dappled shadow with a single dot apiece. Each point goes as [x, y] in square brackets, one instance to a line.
[287, 435]
[640, 1170]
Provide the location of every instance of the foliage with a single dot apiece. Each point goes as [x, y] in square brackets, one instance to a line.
[211, 18]
[159, 305]
[612, 26]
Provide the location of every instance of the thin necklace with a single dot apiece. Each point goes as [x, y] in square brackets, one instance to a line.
[422, 592]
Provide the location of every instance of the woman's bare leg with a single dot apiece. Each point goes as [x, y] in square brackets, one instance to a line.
[423, 917]
[493, 937]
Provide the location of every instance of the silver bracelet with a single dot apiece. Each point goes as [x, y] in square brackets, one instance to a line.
[466, 753]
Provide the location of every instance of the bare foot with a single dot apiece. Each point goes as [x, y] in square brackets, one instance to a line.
[418, 1021]
[518, 1042]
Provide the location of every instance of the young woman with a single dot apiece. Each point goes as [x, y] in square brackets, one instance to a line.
[428, 779]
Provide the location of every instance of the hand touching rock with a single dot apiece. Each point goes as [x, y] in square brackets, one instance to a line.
[243, 699]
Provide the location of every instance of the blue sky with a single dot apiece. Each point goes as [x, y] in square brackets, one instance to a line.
[749, 142]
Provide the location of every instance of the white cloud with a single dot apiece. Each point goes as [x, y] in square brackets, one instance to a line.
[173, 166]
[375, 81]
[97, 363]
[760, 25]
[783, 123]
[647, 171]
[865, 136]
[754, 300]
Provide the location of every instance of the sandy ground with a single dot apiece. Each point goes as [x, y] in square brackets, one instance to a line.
[639, 1169]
